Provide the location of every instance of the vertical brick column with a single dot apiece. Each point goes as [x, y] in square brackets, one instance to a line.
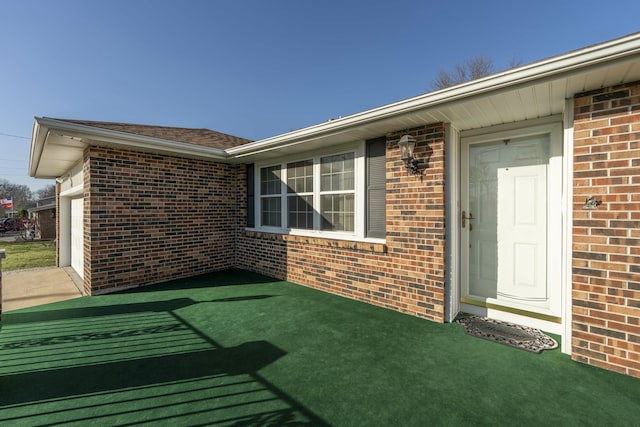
[606, 235]
[416, 222]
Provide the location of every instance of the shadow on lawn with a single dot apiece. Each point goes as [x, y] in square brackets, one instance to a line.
[230, 277]
[170, 305]
[135, 363]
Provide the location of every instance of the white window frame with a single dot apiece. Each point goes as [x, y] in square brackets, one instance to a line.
[260, 197]
[359, 227]
[319, 192]
[311, 193]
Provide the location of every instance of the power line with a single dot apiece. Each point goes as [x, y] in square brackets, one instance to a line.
[13, 136]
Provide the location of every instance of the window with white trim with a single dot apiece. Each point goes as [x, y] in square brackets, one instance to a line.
[270, 206]
[340, 193]
[300, 195]
[337, 192]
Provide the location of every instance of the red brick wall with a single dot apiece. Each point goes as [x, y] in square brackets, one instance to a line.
[606, 240]
[45, 224]
[152, 218]
[406, 274]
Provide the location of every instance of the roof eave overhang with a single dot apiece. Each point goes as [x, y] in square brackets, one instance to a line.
[83, 135]
[573, 64]
[42, 208]
[558, 67]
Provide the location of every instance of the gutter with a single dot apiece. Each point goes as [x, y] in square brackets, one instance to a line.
[539, 72]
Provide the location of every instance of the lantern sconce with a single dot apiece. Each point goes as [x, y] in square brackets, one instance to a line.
[414, 166]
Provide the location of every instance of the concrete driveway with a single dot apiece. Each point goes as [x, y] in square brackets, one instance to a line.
[28, 288]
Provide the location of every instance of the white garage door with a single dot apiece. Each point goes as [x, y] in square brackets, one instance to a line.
[77, 236]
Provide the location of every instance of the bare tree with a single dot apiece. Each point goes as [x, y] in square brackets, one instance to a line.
[515, 62]
[48, 191]
[473, 68]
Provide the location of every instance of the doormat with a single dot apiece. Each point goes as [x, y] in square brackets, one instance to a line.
[517, 336]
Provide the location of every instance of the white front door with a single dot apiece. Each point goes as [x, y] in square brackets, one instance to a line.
[77, 236]
[509, 211]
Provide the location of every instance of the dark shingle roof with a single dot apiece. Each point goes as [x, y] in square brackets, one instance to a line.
[204, 137]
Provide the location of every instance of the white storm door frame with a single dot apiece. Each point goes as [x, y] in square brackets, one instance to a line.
[553, 127]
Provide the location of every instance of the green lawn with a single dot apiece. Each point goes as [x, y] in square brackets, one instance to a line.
[24, 255]
[236, 348]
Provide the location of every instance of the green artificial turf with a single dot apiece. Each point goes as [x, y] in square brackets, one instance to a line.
[25, 255]
[236, 348]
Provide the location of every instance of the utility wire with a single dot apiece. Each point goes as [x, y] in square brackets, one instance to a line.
[13, 136]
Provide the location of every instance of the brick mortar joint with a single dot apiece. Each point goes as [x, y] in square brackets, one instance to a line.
[319, 241]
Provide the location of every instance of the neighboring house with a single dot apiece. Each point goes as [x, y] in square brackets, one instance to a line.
[526, 206]
[44, 217]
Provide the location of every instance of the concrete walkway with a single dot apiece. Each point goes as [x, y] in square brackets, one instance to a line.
[28, 288]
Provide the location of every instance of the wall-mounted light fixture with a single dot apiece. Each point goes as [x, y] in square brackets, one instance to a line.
[407, 144]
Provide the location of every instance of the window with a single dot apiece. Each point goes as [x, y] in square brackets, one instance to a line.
[339, 193]
[300, 195]
[270, 189]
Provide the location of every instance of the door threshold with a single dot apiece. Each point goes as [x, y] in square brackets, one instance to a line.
[512, 310]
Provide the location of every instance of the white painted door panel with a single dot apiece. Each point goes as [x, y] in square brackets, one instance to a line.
[522, 233]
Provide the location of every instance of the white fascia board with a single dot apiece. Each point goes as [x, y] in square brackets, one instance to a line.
[129, 140]
[38, 136]
[538, 72]
[42, 208]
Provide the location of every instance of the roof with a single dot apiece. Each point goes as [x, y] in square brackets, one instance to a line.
[42, 208]
[204, 137]
[59, 144]
[529, 92]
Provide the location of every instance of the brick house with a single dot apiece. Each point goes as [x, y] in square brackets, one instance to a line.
[43, 214]
[520, 201]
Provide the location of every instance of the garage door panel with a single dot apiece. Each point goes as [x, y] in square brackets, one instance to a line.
[77, 236]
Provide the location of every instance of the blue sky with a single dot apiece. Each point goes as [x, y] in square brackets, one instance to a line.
[258, 68]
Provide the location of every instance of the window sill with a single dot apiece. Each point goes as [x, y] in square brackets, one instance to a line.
[375, 246]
